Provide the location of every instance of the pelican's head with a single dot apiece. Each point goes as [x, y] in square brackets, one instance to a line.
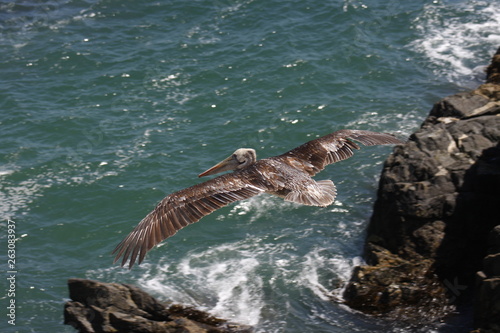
[240, 159]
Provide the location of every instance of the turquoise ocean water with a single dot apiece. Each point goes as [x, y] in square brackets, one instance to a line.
[107, 106]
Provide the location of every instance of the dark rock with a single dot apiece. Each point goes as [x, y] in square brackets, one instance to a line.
[491, 265]
[487, 304]
[487, 301]
[111, 307]
[396, 288]
[438, 198]
[494, 240]
[459, 106]
[493, 70]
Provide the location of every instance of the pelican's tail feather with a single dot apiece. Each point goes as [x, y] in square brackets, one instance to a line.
[321, 193]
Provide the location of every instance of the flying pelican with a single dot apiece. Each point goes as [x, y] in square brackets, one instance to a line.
[287, 176]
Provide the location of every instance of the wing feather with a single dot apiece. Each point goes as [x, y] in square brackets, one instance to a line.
[316, 154]
[182, 208]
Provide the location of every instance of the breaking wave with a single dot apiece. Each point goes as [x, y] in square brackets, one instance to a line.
[459, 38]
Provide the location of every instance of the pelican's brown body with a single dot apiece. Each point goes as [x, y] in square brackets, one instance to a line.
[288, 176]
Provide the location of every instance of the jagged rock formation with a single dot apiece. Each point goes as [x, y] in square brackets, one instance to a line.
[98, 307]
[438, 198]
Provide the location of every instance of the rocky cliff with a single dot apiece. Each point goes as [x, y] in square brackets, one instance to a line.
[98, 307]
[438, 200]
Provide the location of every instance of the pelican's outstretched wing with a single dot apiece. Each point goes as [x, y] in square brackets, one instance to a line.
[182, 208]
[315, 155]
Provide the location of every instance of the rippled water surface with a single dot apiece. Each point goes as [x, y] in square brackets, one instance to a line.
[108, 106]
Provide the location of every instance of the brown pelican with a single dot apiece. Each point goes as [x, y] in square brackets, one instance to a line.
[287, 176]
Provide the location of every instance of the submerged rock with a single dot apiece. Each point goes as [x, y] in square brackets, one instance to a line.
[438, 199]
[112, 307]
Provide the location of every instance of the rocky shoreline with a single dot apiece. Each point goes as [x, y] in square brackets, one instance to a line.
[433, 242]
[436, 217]
[98, 307]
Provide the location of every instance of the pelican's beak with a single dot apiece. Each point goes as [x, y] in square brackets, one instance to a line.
[228, 164]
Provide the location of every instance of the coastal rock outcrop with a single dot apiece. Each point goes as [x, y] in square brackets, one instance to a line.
[438, 200]
[112, 307]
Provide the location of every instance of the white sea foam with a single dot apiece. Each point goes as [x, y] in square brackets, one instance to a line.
[318, 269]
[236, 284]
[236, 281]
[399, 124]
[5, 171]
[224, 280]
[457, 38]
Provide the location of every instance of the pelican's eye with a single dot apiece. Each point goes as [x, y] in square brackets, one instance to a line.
[237, 159]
